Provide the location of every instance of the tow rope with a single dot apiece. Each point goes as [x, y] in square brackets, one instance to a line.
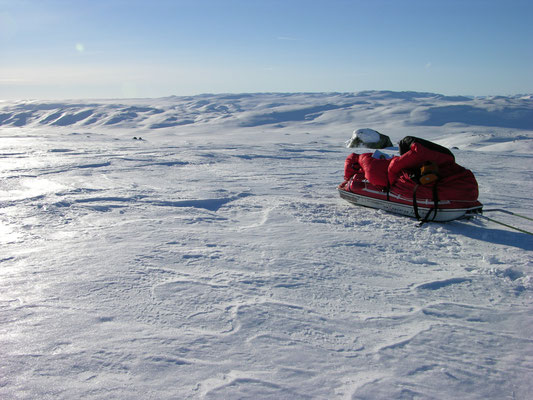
[504, 224]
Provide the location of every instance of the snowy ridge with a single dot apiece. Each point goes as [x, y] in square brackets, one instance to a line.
[293, 110]
[248, 110]
[214, 259]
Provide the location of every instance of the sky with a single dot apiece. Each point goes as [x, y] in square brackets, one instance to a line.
[67, 49]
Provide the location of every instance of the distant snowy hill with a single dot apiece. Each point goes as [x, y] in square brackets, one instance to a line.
[249, 110]
[277, 110]
[197, 248]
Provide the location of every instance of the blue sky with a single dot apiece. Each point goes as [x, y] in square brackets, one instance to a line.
[53, 49]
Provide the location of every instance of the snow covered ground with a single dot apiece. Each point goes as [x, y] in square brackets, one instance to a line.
[212, 257]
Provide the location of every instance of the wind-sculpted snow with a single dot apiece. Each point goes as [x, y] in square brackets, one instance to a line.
[214, 259]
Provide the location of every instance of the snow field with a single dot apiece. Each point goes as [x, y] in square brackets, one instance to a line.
[217, 261]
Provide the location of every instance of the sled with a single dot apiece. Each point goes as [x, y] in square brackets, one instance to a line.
[366, 195]
[424, 182]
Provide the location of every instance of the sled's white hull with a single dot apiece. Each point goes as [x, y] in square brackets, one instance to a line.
[443, 214]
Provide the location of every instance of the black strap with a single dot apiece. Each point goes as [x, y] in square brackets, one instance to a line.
[433, 209]
[415, 206]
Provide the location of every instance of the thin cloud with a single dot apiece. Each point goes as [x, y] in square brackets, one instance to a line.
[12, 80]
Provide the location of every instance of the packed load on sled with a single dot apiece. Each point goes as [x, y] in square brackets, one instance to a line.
[423, 182]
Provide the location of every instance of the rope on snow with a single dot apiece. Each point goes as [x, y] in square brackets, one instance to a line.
[504, 224]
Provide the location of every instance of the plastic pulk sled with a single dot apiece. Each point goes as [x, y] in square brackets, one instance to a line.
[424, 182]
